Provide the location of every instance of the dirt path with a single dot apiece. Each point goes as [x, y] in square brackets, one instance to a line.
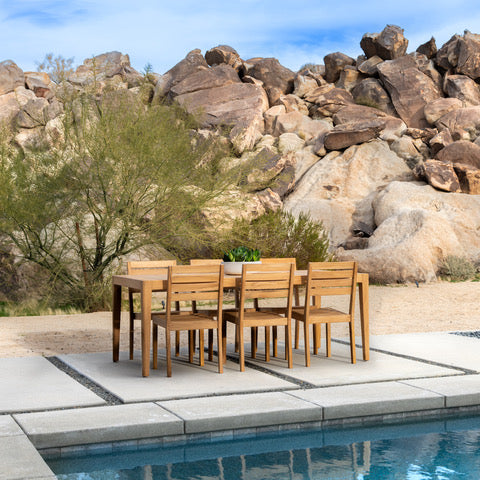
[393, 309]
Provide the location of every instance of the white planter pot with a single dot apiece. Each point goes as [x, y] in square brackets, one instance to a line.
[235, 268]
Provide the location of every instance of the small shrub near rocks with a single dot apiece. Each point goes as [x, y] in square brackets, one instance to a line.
[457, 269]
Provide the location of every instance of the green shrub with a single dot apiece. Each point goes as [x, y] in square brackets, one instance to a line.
[457, 269]
[280, 234]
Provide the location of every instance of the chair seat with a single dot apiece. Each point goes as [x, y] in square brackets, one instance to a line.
[186, 321]
[320, 315]
[257, 318]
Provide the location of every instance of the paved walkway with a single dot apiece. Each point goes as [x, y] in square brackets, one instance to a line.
[47, 406]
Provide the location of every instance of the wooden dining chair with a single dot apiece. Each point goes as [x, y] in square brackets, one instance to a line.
[205, 261]
[147, 267]
[296, 297]
[260, 281]
[191, 283]
[328, 279]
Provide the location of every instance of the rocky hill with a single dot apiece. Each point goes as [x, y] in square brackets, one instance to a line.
[384, 148]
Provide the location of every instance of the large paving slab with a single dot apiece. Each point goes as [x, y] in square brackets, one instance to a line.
[453, 350]
[370, 399]
[338, 370]
[459, 391]
[8, 426]
[242, 411]
[124, 378]
[98, 425]
[19, 460]
[33, 383]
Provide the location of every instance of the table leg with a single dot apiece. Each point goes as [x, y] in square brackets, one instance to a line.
[146, 328]
[116, 314]
[364, 317]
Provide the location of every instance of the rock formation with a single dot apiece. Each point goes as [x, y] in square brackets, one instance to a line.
[387, 144]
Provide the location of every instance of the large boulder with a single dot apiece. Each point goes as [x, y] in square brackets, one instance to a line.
[192, 63]
[328, 100]
[461, 55]
[33, 113]
[461, 120]
[463, 88]
[469, 178]
[217, 76]
[240, 105]
[417, 227]
[9, 108]
[354, 133]
[461, 152]
[338, 189]
[277, 79]
[223, 54]
[435, 109]
[371, 93]
[303, 125]
[409, 88]
[388, 45]
[303, 84]
[429, 49]
[40, 83]
[334, 65]
[11, 77]
[369, 66]
[426, 66]
[441, 175]
[111, 65]
[356, 113]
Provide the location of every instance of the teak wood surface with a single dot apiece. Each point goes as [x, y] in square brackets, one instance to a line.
[147, 284]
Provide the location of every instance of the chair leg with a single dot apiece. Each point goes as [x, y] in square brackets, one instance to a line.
[210, 345]
[275, 341]
[315, 339]
[132, 323]
[297, 331]
[329, 339]
[201, 348]
[267, 344]
[177, 343]
[241, 348]
[306, 334]
[254, 341]
[352, 342]
[155, 345]
[168, 352]
[288, 345]
[236, 338]
[191, 345]
[219, 347]
[224, 340]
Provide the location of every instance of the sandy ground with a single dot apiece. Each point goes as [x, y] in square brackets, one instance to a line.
[393, 309]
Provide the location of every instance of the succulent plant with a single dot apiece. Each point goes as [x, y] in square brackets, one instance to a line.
[242, 254]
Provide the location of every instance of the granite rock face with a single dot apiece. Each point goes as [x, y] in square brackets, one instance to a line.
[386, 143]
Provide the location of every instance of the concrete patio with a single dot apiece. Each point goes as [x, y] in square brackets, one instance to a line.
[44, 407]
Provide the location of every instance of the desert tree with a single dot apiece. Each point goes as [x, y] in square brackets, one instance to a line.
[120, 176]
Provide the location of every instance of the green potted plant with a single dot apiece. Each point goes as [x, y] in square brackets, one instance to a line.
[234, 259]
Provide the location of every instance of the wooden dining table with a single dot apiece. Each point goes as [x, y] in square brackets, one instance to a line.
[147, 284]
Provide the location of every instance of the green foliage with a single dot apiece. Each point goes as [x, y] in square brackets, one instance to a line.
[457, 269]
[281, 234]
[123, 176]
[58, 68]
[242, 254]
[34, 308]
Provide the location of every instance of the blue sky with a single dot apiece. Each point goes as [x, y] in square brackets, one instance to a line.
[162, 32]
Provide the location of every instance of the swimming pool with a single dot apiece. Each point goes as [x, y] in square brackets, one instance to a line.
[440, 449]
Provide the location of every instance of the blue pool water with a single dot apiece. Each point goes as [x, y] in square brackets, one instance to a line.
[446, 449]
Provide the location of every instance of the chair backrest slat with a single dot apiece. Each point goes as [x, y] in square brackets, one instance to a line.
[331, 278]
[195, 282]
[149, 267]
[267, 281]
[206, 261]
